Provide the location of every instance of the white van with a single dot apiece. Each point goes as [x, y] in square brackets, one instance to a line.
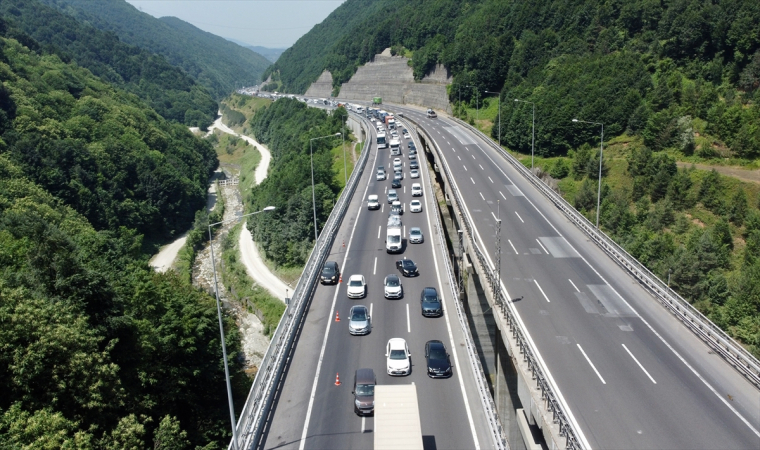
[372, 202]
[395, 147]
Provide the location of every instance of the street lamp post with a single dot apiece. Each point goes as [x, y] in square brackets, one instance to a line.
[533, 133]
[477, 108]
[221, 325]
[313, 196]
[601, 150]
[490, 92]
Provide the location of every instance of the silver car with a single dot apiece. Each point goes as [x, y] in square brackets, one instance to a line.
[359, 321]
[415, 235]
[393, 288]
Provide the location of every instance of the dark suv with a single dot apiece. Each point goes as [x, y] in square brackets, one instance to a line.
[430, 303]
[364, 392]
[330, 273]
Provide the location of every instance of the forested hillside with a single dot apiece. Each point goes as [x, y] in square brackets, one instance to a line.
[219, 65]
[97, 351]
[98, 149]
[634, 65]
[166, 88]
[287, 233]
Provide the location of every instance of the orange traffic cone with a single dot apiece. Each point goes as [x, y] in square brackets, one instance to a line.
[337, 379]
[340, 279]
[337, 317]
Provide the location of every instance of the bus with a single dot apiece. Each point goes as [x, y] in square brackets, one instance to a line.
[382, 142]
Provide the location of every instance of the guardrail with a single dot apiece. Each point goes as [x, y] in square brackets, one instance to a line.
[497, 432]
[506, 307]
[736, 355]
[255, 413]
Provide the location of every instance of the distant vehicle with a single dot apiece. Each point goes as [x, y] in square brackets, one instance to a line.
[392, 124]
[357, 286]
[431, 114]
[372, 202]
[413, 150]
[392, 195]
[364, 391]
[406, 134]
[430, 303]
[381, 175]
[411, 145]
[415, 235]
[381, 140]
[407, 267]
[414, 164]
[360, 110]
[395, 146]
[414, 173]
[396, 183]
[393, 288]
[359, 321]
[412, 156]
[398, 357]
[438, 362]
[330, 273]
[416, 190]
[398, 175]
[415, 206]
[393, 238]
[377, 100]
[397, 208]
[397, 163]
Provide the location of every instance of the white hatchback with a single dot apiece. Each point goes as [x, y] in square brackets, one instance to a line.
[357, 287]
[414, 173]
[415, 206]
[416, 190]
[398, 358]
[396, 163]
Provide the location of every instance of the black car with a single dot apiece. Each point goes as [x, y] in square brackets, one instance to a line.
[414, 164]
[396, 184]
[364, 392]
[438, 363]
[430, 303]
[407, 267]
[411, 145]
[330, 273]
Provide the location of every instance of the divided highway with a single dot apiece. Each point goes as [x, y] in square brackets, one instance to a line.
[310, 411]
[630, 374]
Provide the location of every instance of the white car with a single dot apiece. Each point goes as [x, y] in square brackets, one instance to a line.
[396, 163]
[357, 287]
[415, 206]
[398, 358]
[393, 288]
[414, 173]
[416, 190]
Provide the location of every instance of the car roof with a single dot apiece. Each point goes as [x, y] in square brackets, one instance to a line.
[416, 185]
[413, 229]
[356, 276]
[416, 201]
[435, 342]
[331, 264]
[397, 343]
[365, 376]
[393, 275]
[429, 289]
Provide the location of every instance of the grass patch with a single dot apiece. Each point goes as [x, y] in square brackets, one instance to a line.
[250, 296]
[247, 105]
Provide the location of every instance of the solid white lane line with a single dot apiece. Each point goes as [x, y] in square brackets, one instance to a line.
[513, 246]
[481, 196]
[473, 181]
[465, 167]
[374, 269]
[379, 229]
[637, 362]
[518, 216]
[408, 323]
[542, 291]
[489, 178]
[502, 196]
[591, 364]
[542, 246]
[576, 287]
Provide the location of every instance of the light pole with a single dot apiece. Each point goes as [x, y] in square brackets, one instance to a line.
[477, 109]
[221, 325]
[490, 92]
[533, 139]
[601, 150]
[313, 197]
[343, 144]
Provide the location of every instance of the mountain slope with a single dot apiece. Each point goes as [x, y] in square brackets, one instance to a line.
[213, 61]
[166, 88]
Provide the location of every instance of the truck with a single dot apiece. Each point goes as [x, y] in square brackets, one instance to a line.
[377, 100]
[397, 418]
[393, 242]
[395, 147]
[382, 142]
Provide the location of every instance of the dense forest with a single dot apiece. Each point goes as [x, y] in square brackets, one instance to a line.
[97, 350]
[214, 62]
[286, 127]
[166, 88]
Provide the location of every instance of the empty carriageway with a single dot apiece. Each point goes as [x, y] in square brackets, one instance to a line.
[629, 374]
[310, 411]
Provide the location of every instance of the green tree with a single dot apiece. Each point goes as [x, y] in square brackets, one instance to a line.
[679, 190]
[737, 209]
[585, 198]
[711, 191]
[170, 436]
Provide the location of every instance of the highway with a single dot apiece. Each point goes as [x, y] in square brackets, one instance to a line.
[310, 411]
[630, 374]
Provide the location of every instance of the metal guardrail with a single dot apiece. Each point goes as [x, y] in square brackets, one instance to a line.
[723, 344]
[255, 413]
[529, 354]
[497, 432]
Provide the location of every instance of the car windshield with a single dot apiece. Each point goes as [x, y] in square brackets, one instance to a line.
[415, 232]
[398, 354]
[392, 282]
[355, 283]
[359, 314]
[327, 270]
[365, 389]
[437, 353]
